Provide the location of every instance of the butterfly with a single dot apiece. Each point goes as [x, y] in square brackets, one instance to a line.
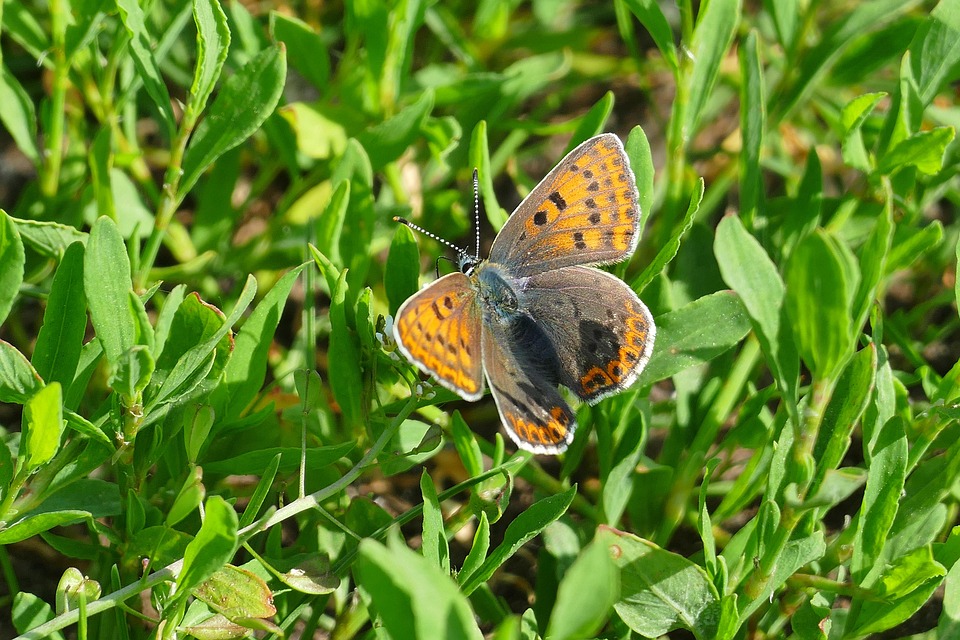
[537, 313]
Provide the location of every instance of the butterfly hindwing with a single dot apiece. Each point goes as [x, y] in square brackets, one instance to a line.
[531, 408]
[585, 211]
[438, 329]
[602, 333]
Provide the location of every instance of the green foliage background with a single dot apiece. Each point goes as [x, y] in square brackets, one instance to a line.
[208, 429]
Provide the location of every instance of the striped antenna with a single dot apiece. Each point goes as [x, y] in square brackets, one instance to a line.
[476, 209]
[464, 256]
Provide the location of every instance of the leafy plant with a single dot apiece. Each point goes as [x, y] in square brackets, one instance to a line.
[204, 438]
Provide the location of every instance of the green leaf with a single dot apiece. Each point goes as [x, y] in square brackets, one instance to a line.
[434, 548]
[31, 525]
[385, 142]
[949, 624]
[107, 284]
[330, 223]
[923, 150]
[905, 588]
[12, 258]
[650, 15]
[411, 596]
[100, 159]
[237, 593]
[306, 49]
[819, 299]
[935, 50]
[149, 71]
[669, 250]
[267, 473]
[43, 426]
[18, 115]
[887, 472]
[214, 546]
[712, 37]
[852, 117]
[478, 551]
[591, 123]
[401, 277]
[528, 524]
[213, 43]
[786, 19]
[18, 379]
[346, 379]
[641, 161]
[587, 593]
[480, 159]
[49, 239]
[695, 334]
[660, 591]
[752, 124]
[253, 462]
[245, 372]
[240, 108]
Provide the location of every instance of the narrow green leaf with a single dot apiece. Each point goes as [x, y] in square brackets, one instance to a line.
[480, 159]
[244, 102]
[330, 223]
[522, 529]
[43, 426]
[695, 334]
[49, 239]
[345, 378]
[852, 117]
[149, 71]
[402, 273]
[786, 20]
[191, 494]
[752, 125]
[910, 244]
[712, 37]
[886, 475]
[650, 15]
[31, 525]
[669, 250]
[873, 263]
[18, 115]
[213, 43]
[949, 624]
[434, 548]
[465, 441]
[13, 259]
[591, 123]
[386, 141]
[660, 591]
[906, 587]
[795, 555]
[252, 462]
[107, 283]
[100, 159]
[412, 597]
[641, 161]
[245, 372]
[212, 548]
[259, 496]
[586, 594]
[478, 551]
[935, 50]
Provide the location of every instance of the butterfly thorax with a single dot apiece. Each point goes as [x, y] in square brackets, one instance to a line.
[496, 292]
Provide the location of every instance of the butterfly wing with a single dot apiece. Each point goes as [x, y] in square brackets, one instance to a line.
[585, 211]
[438, 329]
[533, 412]
[602, 333]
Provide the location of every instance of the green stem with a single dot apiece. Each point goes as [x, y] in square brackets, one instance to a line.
[53, 151]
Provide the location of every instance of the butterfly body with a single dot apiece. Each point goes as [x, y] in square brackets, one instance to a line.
[536, 313]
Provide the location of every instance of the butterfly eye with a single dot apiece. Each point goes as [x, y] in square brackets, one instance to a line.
[467, 264]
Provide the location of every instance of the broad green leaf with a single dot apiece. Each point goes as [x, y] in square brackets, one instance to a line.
[669, 250]
[795, 555]
[31, 525]
[12, 258]
[319, 133]
[887, 472]
[949, 624]
[935, 50]
[819, 296]
[401, 277]
[905, 588]
[237, 593]
[306, 49]
[191, 495]
[29, 612]
[214, 546]
[107, 283]
[434, 548]
[587, 593]
[660, 591]
[43, 426]
[213, 43]
[245, 100]
[18, 379]
[524, 527]
[923, 150]
[49, 239]
[716, 25]
[695, 334]
[910, 244]
[411, 596]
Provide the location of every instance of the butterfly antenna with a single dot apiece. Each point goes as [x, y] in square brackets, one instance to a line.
[476, 208]
[419, 229]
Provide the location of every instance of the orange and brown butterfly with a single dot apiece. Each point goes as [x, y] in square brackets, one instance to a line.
[536, 313]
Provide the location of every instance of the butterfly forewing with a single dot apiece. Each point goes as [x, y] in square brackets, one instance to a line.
[438, 329]
[585, 211]
[602, 333]
[533, 412]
